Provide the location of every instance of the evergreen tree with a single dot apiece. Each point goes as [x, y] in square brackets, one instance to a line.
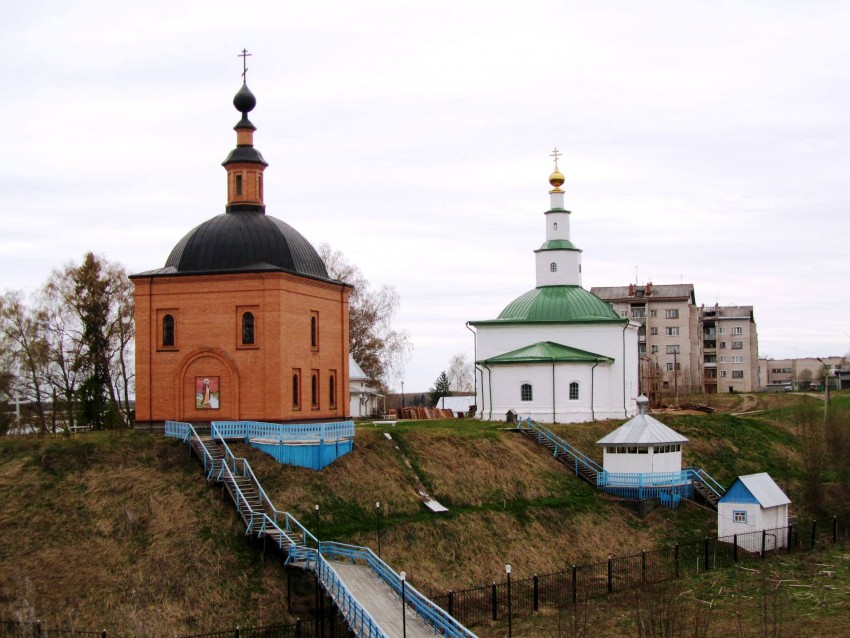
[442, 388]
[91, 303]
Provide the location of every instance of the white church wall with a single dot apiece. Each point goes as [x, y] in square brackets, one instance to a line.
[612, 399]
[567, 268]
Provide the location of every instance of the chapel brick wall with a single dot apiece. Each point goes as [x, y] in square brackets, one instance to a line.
[256, 381]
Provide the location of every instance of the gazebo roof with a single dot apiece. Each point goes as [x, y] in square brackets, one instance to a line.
[642, 429]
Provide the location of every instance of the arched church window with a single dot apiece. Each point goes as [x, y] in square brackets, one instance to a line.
[296, 394]
[238, 185]
[260, 185]
[168, 331]
[574, 391]
[314, 331]
[314, 391]
[248, 328]
[332, 391]
[525, 392]
[555, 226]
[553, 267]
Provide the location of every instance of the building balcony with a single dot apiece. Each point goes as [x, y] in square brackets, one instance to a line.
[709, 364]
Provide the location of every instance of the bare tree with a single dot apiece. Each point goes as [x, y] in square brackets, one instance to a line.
[22, 333]
[460, 374]
[381, 351]
[810, 431]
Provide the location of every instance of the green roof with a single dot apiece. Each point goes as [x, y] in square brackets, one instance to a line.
[556, 304]
[547, 352]
[558, 244]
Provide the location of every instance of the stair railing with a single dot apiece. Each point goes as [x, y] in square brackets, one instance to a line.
[430, 612]
[561, 446]
[187, 434]
[359, 620]
[699, 474]
[242, 466]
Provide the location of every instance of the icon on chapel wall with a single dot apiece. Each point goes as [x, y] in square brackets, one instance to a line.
[206, 393]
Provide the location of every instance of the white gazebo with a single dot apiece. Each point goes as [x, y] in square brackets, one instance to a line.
[752, 504]
[642, 445]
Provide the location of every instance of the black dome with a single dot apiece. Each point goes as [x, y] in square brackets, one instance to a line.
[245, 241]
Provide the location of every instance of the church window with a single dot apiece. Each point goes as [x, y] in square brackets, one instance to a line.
[296, 392]
[332, 390]
[574, 391]
[248, 328]
[239, 185]
[555, 226]
[260, 185]
[525, 393]
[314, 331]
[553, 267]
[168, 331]
[314, 391]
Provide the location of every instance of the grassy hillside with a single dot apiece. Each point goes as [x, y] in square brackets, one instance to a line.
[122, 530]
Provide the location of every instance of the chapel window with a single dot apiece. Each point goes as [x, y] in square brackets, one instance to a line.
[555, 226]
[553, 267]
[239, 185]
[168, 331]
[314, 391]
[332, 390]
[248, 328]
[574, 391]
[314, 331]
[296, 392]
[525, 393]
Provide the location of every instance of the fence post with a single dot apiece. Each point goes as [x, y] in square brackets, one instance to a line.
[236, 635]
[735, 548]
[834, 529]
[297, 628]
[38, 627]
[451, 603]
[493, 601]
[814, 531]
[790, 534]
[763, 542]
[610, 579]
[536, 593]
[705, 552]
[103, 633]
[575, 585]
[643, 566]
[676, 558]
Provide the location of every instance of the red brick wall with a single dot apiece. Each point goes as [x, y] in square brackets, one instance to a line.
[255, 380]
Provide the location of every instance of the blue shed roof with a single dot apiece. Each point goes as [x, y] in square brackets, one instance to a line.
[756, 488]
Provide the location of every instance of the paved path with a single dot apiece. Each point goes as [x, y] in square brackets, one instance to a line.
[380, 601]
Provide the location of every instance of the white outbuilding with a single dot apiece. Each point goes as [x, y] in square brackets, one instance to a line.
[754, 503]
[642, 445]
[365, 401]
[557, 353]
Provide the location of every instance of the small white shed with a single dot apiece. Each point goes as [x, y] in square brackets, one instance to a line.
[642, 445]
[365, 401]
[754, 503]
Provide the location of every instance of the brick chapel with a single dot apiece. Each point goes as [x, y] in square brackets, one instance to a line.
[243, 322]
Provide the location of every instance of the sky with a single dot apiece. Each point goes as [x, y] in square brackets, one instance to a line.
[704, 142]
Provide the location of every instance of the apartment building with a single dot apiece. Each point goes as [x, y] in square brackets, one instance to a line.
[685, 347]
[729, 349]
[803, 373]
[669, 337]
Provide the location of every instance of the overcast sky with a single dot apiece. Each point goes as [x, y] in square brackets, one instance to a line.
[704, 142]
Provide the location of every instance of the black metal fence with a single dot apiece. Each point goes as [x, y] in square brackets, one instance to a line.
[582, 582]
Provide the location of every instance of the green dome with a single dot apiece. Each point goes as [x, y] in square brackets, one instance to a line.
[562, 304]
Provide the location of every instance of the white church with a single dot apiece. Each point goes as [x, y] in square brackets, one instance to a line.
[557, 353]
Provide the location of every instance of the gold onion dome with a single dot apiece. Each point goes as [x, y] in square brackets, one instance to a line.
[557, 179]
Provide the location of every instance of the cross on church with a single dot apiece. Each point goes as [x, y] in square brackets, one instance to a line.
[245, 55]
[556, 154]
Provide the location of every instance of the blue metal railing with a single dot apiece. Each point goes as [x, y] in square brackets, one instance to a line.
[284, 432]
[699, 474]
[430, 612]
[562, 448]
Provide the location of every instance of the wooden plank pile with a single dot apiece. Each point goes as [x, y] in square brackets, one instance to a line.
[423, 414]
